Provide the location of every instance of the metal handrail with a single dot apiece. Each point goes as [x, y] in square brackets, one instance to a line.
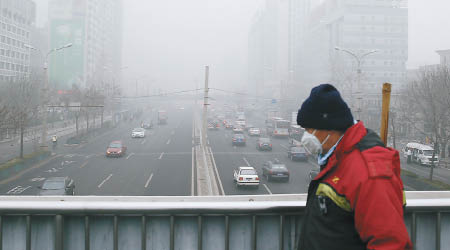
[416, 200]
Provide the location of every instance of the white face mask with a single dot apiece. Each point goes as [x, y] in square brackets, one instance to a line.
[312, 144]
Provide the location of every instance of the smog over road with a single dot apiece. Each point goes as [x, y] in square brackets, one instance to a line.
[156, 98]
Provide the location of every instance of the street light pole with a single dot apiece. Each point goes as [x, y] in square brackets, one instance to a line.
[205, 106]
[45, 91]
[358, 58]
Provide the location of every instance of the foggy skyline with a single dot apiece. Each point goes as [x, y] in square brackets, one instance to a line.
[180, 37]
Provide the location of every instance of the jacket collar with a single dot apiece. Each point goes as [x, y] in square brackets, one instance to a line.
[352, 136]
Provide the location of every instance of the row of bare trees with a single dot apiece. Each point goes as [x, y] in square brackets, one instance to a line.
[425, 105]
[19, 106]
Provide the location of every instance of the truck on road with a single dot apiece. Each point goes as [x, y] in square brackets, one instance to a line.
[162, 117]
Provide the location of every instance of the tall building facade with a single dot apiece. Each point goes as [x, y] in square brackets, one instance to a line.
[274, 49]
[94, 27]
[294, 42]
[359, 26]
[17, 18]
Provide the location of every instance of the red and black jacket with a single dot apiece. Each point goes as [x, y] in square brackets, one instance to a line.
[357, 199]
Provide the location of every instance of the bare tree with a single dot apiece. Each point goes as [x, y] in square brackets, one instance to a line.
[426, 106]
[22, 101]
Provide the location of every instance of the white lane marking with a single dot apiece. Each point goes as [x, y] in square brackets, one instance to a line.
[246, 162]
[18, 190]
[105, 180]
[217, 172]
[268, 190]
[148, 181]
[161, 155]
[208, 142]
[283, 146]
[89, 156]
[131, 154]
[276, 159]
[143, 141]
[37, 179]
[84, 164]
[53, 170]
[168, 142]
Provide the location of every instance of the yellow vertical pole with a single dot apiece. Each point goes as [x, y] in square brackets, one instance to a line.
[385, 112]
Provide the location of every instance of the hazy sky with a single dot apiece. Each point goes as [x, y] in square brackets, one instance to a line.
[170, 40]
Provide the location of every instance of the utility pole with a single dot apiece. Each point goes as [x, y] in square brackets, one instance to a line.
[358, 57]
[45, 91]
[205, 106]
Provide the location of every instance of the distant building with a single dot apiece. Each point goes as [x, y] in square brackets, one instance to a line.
[94, 27]
[17, 18]
[444, 57]
[274, 49]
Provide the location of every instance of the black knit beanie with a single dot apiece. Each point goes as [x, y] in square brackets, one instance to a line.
[325, 109]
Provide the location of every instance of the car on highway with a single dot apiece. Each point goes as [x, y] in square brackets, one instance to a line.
[238, 129]
[238, 140]
[254, 132]
[275, 171]
[138, 133]
[147, 125]
[212, 126]
[228, 124]
[116, 149]
[246, 176]
[264, 143]
[57, 186]
[297, 153]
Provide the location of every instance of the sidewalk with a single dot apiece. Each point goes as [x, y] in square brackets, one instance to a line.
[10, 149]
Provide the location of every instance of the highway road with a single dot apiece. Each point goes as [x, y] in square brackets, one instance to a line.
[161, 163]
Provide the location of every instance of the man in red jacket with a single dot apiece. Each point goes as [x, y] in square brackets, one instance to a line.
[357, 199]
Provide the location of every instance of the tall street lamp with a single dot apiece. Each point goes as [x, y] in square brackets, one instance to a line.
[45, 90]
[358, 57]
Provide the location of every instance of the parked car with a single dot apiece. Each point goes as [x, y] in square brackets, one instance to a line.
[238, 139]
[297, 153]
[246, 176]
[138, 133]
[264, 143]
[116, 149]
[254, 132]
[57, 186]
[275, 171]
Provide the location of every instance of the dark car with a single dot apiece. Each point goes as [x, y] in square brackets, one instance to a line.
[58, 186]
[116, 149]
[297, 153]
[275, 171]
[238, 139]
[264, 143]
[147, 125]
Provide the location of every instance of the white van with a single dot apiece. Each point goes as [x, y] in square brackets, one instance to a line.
[420, 153]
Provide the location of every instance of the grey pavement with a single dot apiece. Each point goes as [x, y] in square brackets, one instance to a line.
[11, 148]
[161, 163]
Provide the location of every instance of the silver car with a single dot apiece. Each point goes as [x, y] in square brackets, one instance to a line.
[57, 186]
